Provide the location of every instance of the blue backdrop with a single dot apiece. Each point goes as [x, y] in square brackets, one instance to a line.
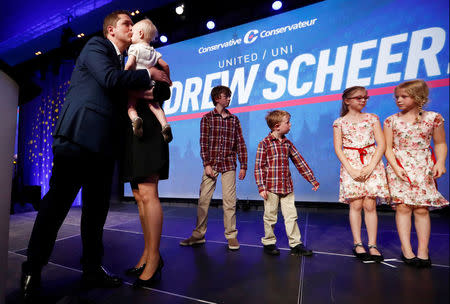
[301, 61]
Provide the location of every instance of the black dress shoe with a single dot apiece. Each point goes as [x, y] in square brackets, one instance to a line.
[30, 282]
[137, 271]
[301, 250]
[30, 285]
[271, 249]
[155, 278]
[375, 257]
[410, 262]
[421, 263]
[363, 256]
[100, 278]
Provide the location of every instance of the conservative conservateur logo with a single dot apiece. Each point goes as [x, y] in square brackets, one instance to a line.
[251, 36]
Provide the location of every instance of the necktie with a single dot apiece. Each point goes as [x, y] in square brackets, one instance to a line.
[121, 61]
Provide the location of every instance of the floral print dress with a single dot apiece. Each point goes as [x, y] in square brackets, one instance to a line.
[411, 147]
[361, 135]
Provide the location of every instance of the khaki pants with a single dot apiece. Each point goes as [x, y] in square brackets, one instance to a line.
[207, 188]
[289, 214]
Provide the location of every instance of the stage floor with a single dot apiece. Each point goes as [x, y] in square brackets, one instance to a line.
[210, 273]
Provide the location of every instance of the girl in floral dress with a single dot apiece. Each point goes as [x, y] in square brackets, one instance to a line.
[362, 177]
[412, 169]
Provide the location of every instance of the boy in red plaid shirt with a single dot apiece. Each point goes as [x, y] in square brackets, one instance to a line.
[274, 182]
[220, 141]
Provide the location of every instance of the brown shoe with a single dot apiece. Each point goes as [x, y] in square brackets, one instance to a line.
[192, 241]
[233, 244]
[167, 133]
[137, 127]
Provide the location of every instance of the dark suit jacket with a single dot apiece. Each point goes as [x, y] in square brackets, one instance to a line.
[96, 99]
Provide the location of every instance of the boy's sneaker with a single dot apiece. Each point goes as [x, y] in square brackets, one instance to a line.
[167, 133]
[192, 241]
[137, 127]
[233, 244]
[301, 250]
[271, 249]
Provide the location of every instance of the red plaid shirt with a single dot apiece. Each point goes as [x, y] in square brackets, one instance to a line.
[220, 140]
[272, 165]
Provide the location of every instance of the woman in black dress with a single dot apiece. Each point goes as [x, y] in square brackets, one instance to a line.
[146, 162]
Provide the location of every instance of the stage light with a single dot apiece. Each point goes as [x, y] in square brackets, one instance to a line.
[132, 14]
[80, 35]
[276, 5]
[137, 12]
[210, 25]
[179, 9]
[163, 39]
[38, 53]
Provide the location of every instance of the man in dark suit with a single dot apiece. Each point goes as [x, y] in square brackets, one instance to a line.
[86, 144]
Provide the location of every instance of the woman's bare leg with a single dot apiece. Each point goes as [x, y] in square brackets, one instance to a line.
[153, 218]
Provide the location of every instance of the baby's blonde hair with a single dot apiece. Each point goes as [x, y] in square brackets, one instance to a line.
[417, 90]
[275, 117]
[148, 28]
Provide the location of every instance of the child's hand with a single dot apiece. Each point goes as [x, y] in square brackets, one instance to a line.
[355, 174]
[401, 173]
[438, 170]
[263, 194]
[209, 171]
[366, 172]
[242, 174]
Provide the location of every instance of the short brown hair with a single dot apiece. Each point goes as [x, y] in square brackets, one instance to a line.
[417, 90]
[111, 20]
[275, 117]
[217, 91]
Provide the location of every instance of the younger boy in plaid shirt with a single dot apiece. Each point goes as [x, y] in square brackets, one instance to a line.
[274, 182]
[220, 141]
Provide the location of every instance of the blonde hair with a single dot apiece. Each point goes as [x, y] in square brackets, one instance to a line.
[417, 90]
[148, 28]
[275, 117]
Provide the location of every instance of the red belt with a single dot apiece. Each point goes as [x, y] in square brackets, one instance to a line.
[362, 151]
[433, 158]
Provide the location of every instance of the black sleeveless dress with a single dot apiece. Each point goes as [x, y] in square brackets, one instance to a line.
[148, 155]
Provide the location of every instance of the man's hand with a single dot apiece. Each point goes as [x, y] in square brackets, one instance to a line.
[242, 174]
[158, 75]
[263, 194]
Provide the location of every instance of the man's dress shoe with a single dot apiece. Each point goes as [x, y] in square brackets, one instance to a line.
[100, 278]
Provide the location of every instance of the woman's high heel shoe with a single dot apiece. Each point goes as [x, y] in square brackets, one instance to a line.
[156, 277]
[137, 271]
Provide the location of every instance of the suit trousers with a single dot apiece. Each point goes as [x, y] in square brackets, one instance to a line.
[71, 171]
[207, 188]
[289, 214]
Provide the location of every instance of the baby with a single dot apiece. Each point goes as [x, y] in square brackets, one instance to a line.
[141, 55]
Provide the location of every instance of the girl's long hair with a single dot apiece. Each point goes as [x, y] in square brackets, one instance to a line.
[345, 95]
